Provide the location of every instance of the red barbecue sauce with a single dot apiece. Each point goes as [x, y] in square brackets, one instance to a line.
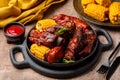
[14, 30]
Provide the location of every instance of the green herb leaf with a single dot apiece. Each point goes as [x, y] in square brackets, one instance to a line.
[68, 61]
[62, 30]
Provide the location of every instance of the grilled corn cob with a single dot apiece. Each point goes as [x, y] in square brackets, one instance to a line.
[39, 51]
[114, 13]
[84, 3]
[96, 11]
[105, 3]
[45, 23]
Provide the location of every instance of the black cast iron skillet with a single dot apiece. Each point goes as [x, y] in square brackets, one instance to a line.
[64, 65]
[60, 70]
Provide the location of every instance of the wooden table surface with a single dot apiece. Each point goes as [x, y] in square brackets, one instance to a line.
[9, 72]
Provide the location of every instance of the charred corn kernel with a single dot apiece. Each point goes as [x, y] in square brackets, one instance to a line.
[96, 11]
[114, 13]
[45, 23]
[105, 3]
[39, 51]
[84, 3]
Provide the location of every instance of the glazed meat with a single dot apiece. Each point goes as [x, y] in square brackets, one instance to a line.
[80, 45]
[48, 37]
[43, 38]
[82, 42]
[55, 54]
[65, 20]
[71, 39]
[89, 41]
[75, 45]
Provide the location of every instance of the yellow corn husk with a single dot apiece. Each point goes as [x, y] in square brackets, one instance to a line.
[114, 13]
[84, 3]
[96, 11]
[39, 51]
[105, 3]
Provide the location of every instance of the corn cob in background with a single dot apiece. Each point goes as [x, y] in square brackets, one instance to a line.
[105, 3]
[114, 13]
[86, 2]
[96, 11]
[39, 51]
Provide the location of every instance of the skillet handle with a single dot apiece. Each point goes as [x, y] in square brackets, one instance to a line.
[22, 64]
[108, 37]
